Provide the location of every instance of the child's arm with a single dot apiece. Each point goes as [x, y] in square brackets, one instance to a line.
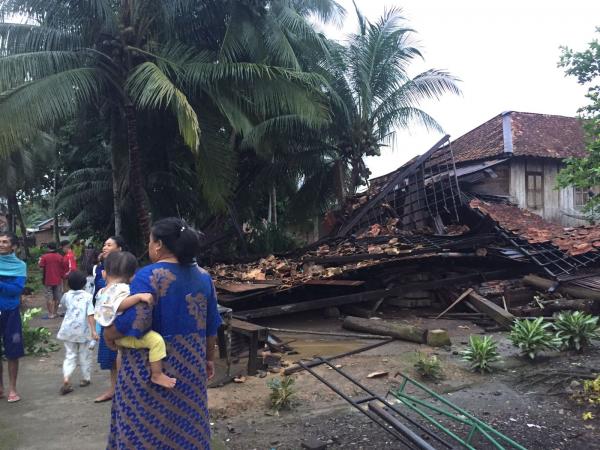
[92, 324]
[133, 300]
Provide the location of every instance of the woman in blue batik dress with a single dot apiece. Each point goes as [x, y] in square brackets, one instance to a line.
[107, 358]
[145, 415]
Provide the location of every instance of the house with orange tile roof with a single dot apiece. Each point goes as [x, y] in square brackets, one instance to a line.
[520, 155]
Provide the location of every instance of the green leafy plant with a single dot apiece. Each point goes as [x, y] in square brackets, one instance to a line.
[36, 340]
[429, 367]
[282, 393]
[481, 352]
[533, 336]
[575, 329]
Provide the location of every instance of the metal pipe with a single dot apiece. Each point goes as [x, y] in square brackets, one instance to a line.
[318, 361]
[399, 426]
[366, 412]
[382, 400]
[327, 333]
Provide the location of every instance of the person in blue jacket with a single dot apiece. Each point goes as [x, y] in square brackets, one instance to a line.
[13, 274]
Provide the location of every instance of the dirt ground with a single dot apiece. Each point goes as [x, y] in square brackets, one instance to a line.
[242, 419]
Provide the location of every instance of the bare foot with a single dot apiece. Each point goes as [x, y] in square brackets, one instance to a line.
[108, 395]
[162, 380]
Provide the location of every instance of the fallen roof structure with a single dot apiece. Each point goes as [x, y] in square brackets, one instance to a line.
[419, 230]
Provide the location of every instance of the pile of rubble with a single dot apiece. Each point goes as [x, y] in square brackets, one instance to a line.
[573, 241]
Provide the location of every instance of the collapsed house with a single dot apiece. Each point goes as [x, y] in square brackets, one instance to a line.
[475, 215]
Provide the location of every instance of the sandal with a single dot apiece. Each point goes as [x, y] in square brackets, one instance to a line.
[85, 383]
[13, 398]
[66, 389]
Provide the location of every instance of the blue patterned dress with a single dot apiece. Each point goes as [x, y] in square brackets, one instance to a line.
[145, 415]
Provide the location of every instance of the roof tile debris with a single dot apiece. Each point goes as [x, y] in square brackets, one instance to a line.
[293, 271]
[571, 240]
[541, 135]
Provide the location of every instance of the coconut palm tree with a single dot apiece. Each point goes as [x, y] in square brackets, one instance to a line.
[378, 96]
[132, 56]
[20, 170]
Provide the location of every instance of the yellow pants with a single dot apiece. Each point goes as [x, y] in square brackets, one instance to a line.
[151, 340]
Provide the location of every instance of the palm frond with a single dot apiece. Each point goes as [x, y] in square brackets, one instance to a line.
[43, 103]
[150, 88]
[66, 15]
[324, 10]
[15, 70]
[24, 38]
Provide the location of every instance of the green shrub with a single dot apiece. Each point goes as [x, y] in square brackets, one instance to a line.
[576, 329]
[533, 336]
[35, 253]
[36, 340]
[481, 352]
[282, 393]
[429, 367]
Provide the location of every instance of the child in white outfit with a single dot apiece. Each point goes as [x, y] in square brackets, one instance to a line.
[112, 300]
[77, 329]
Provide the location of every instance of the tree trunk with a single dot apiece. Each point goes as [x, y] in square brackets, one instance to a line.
[10, 218]
[274, 197]
[135, 173]
[116, 188]
[56, 226]
[19, 217]
[340, 183]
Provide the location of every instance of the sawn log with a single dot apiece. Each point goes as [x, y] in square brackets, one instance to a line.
[385, 328]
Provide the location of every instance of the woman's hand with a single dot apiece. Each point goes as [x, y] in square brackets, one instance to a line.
[210, 370]
[146, 298]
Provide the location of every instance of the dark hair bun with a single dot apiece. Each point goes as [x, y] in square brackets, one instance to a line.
[178, 237]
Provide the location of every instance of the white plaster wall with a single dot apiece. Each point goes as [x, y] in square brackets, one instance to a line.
[555, 200]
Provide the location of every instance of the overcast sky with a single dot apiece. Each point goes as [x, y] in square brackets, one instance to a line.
[505, 53]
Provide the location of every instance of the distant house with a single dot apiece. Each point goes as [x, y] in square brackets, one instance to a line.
[43, 232]
[518, 155]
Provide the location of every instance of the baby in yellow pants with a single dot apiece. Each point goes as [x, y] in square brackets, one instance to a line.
[112, 300]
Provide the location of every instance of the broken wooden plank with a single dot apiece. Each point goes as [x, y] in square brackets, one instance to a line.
[456, 302]
[385, 328]
[351, 283]
[450, 281]
[311, 304]
[237, 288]
[495, 312]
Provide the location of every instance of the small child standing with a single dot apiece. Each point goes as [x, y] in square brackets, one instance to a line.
[77, 329]
[112, 300]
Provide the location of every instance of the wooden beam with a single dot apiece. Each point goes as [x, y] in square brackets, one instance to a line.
[450, 281]
[490, 309]
[544, 284]
[456, 302]
[312, 304]
[351, 283]
[397, 179]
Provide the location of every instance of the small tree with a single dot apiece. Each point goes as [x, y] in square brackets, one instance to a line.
[584, 173]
